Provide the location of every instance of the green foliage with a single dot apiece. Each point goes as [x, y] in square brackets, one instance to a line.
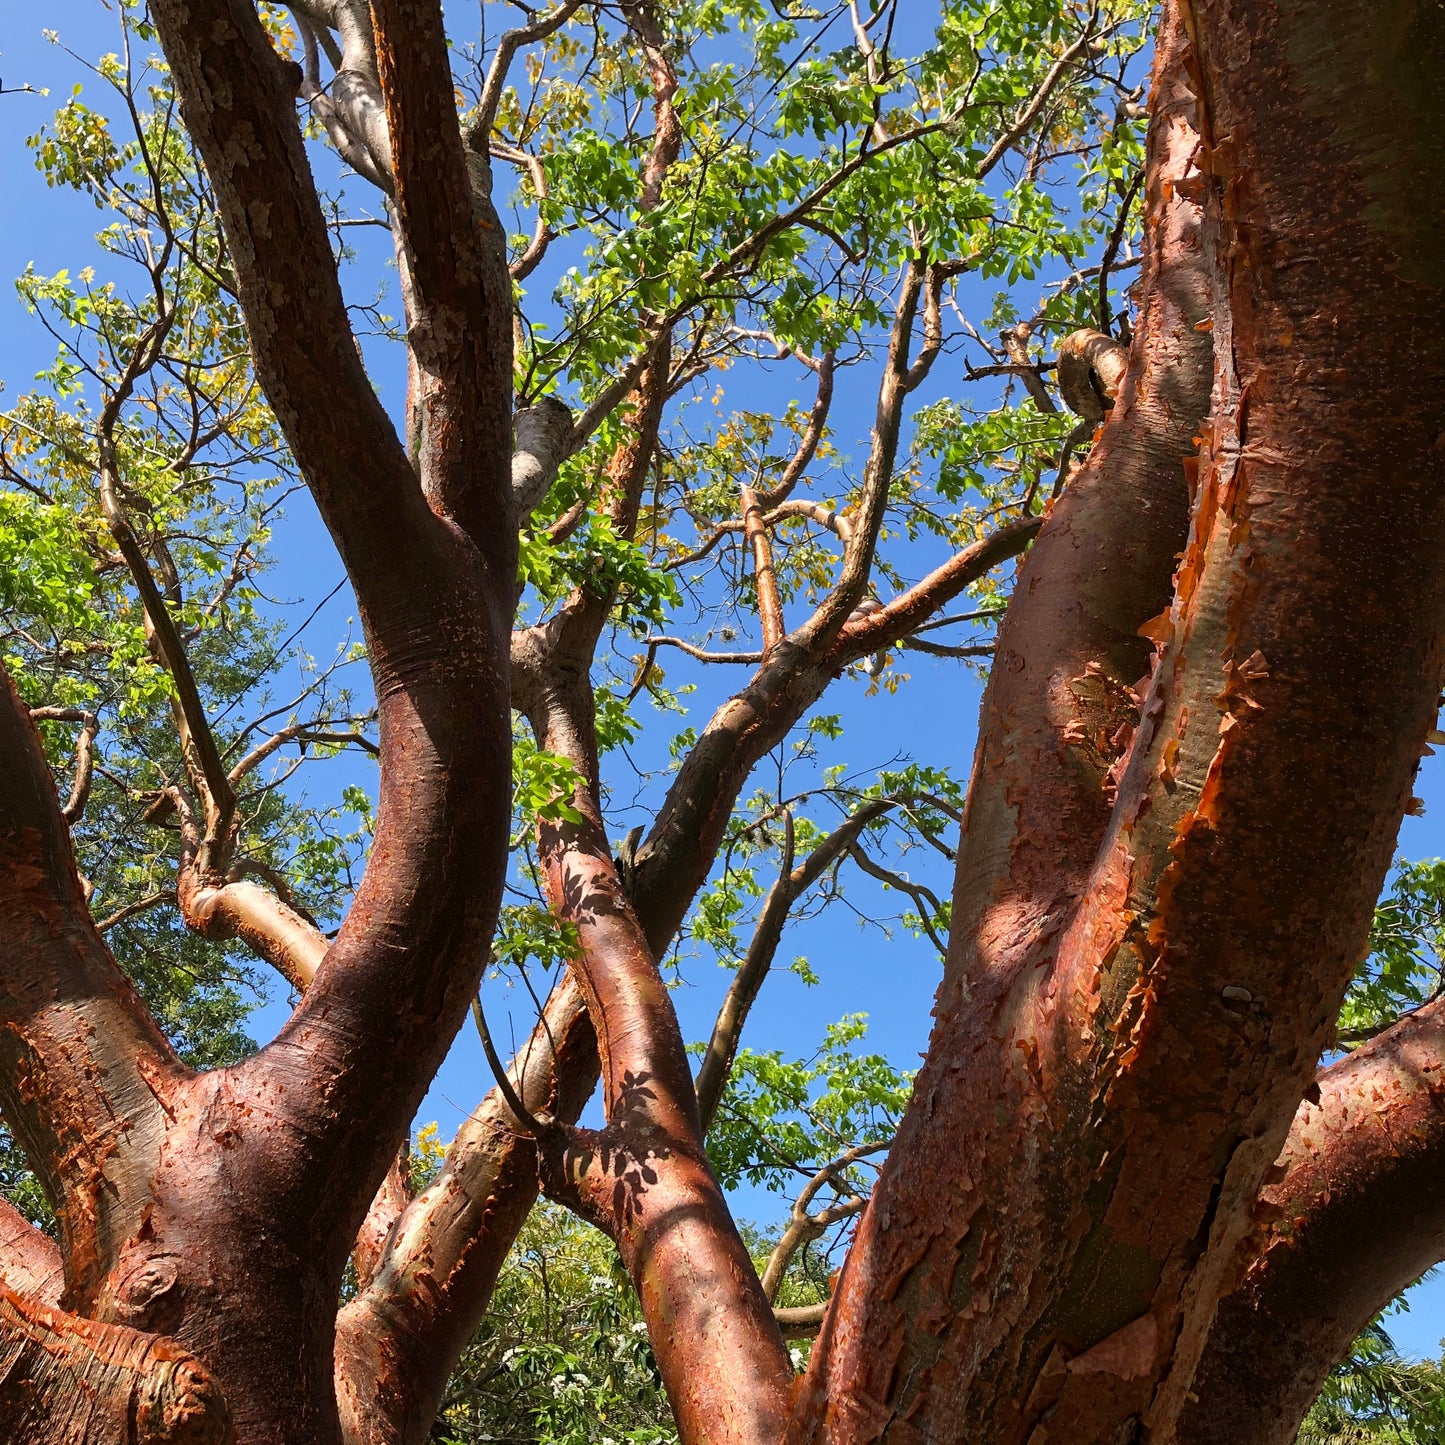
[1403, 967]
[562, 1355]
[781, 1119]
[1375, 1396]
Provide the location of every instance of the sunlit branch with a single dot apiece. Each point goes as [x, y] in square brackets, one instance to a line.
[542, 234]
[770, 606]
[807, 447]
[84, 753]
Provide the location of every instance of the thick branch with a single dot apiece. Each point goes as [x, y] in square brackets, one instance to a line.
[645, 1179]
[436, 1272]
[81, 1061]
[690, 825]
[72, 1381]
[349, 1069]
[1358, 1216]
[1037, 809]
[30, 1262]
[543, 437]
[460, 322]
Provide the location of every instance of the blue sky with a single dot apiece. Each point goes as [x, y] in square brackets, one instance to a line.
[932, 719]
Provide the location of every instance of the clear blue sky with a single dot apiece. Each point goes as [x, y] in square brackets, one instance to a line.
[931, 720]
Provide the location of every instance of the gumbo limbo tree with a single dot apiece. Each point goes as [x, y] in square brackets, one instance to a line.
[1137, 1190]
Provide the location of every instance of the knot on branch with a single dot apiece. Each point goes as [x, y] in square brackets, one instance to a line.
[181, 1404]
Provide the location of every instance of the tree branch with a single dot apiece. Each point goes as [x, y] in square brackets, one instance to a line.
[1357, 1215]
[81, 1060]
[539, 28]
[1067, 653]
[84, 753]
[770, 606]
[804, 1227]
[30, 1262]
[435, 603]
[689, 827]
[1145, 989]
[645, 1178]
[791, 884]
[439, 1264]
[74, 1381]
[807, 447]
[460, 326]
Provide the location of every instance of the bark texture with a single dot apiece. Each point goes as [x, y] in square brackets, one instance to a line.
[1358, 1216]
[1123, 1036]
[71, 1381]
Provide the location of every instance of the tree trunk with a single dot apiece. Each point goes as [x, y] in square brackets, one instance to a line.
[1122, 1040]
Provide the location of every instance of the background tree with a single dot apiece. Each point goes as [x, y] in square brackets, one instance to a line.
[1210, 691]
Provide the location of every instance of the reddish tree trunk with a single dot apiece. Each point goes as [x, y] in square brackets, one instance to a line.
[1121, 1041]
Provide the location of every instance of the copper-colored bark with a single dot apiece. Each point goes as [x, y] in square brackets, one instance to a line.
[397, 1341]
[1107, 1086]
[81, 1062]
[1056, 714]
[71, 1381]
[1164, 878]
[1358, 1216]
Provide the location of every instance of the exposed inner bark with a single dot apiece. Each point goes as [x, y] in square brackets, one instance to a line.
[71, 1381]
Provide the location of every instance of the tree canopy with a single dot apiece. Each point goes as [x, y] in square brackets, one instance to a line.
[666, 401]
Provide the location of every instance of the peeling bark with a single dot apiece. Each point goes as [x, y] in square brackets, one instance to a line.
[1056, 716]
[70, 1381]
[1149, 1045]
[1358, 1216]
[83, 1068]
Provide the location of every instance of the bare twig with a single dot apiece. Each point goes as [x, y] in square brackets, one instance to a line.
[803, 1227]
